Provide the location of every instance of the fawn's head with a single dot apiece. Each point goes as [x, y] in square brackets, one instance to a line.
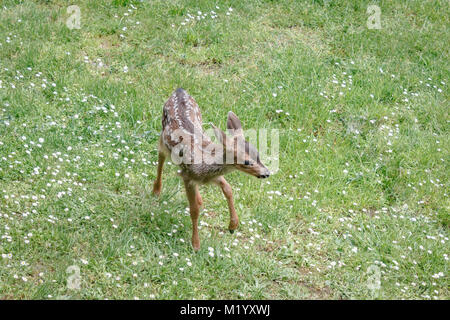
[243, 155]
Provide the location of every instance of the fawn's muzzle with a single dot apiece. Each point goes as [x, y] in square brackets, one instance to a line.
[264, 173]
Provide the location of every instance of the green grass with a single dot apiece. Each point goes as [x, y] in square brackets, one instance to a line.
[363, 179]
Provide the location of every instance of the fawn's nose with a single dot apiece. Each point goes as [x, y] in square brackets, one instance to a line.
[264, 174]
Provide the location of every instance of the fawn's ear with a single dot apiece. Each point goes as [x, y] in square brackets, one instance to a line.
[234, 124]
[220, 135]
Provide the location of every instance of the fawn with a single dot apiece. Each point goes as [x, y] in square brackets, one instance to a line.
[201, 160]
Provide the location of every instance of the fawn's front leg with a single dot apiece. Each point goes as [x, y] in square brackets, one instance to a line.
[227, 191]
[193, 196]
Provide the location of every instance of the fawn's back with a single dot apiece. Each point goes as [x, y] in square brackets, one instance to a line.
[180, 112]
[182, 129]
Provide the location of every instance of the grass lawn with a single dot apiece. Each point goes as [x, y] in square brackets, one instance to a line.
[359, 208]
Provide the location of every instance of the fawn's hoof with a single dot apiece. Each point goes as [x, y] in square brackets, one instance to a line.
[157, 186]
[156, 190]
[233, 225]
[196, 244]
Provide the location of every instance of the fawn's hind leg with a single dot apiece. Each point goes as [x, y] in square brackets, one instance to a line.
[227, 191]
[194, 208]
[161, 159]
[199, 199]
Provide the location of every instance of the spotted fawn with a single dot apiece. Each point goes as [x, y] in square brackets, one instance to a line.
[200, 159]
